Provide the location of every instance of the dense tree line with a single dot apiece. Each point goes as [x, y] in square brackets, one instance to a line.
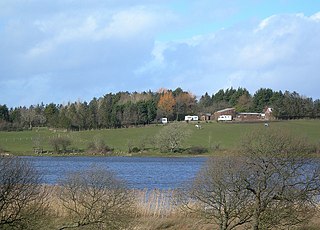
[286, 105]
[125, 109]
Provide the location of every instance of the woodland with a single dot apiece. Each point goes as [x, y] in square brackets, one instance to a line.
[125, 109]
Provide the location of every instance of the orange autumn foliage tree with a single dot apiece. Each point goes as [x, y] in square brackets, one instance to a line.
[166, 104]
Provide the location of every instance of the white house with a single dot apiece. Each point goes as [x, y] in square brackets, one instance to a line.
[191, 118]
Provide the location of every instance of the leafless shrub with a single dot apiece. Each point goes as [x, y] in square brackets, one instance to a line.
[22, 199]
[273, 183]
[284, 179]
[96, 199]
[218, 194]
[170, 138]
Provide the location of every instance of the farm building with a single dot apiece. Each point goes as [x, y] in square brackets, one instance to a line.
[268, 114]
[229, 111]
[206, 117]
[248, 117]
[230, 114]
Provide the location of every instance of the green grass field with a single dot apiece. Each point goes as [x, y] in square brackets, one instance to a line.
[224, 135]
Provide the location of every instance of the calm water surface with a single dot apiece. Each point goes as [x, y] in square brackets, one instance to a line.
[138, 172]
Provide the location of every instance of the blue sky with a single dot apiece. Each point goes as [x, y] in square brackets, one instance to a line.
[68, 50]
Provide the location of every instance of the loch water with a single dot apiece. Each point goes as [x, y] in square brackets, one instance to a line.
[137, 172]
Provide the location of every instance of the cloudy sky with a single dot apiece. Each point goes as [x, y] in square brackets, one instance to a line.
[68, 50]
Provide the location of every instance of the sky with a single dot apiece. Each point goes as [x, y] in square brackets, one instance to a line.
[68, 50]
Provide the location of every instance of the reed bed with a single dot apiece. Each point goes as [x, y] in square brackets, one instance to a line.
[149, 203]
[154, 209]
[55, 205]
[156, 203]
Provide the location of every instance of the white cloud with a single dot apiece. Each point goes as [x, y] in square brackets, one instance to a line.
[129, 23]
[81, 49]
[280, 53]
[96, 26]
[264, 23]
[316, 17]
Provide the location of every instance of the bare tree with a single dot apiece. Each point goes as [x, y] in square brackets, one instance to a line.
[170, 138]
[96, 199]
[273, 183]
[218, 193]
[22, 198]
[284, 179]
[30, 117]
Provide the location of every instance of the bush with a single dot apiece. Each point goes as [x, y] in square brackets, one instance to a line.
[197, 150]
[96, 199]
[170, 138]
[8, 126]
[281, 166]
[218, 194]
[215, 146]
[22, 197]
[134, 150]
[60, 144]
[274, 183]
[2, 150]
[99, 146]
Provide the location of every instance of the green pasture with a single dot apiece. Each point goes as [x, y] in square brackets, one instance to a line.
[225, 136]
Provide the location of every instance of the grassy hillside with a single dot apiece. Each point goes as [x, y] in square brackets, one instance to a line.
[224, 135]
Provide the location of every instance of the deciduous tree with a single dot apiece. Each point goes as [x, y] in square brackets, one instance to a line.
[275, 183]
[220, 194]
[184, 104]
[170, 138]
[97, 199]
[22, 197]
[166, 104]
[283, 180]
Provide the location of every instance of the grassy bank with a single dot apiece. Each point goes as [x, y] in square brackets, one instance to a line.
[221, 136]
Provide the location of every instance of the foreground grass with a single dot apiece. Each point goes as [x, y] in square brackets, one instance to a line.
[215, 136]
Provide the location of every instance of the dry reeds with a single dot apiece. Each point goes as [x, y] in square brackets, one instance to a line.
[149, 203]
[156, 203]
[54, 202]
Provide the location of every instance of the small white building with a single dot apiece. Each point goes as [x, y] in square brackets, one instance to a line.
[225, 118]
[191, 118]
[164, 120]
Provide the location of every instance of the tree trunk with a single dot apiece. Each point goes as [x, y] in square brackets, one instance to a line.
[256, 213]
[225, 222]
[255, 223]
